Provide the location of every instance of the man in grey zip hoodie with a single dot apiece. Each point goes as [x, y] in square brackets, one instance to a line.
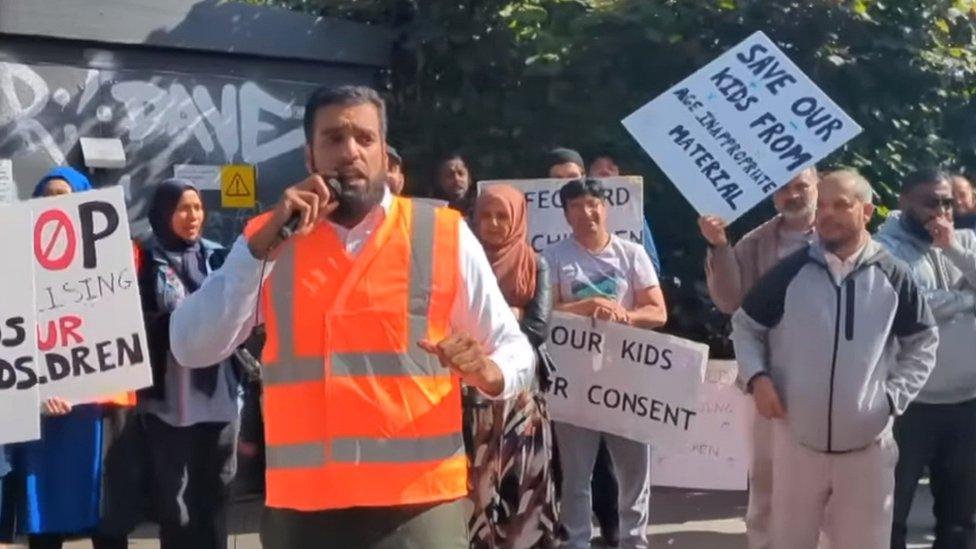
[938, 430]
[832, 342]
[731, 271]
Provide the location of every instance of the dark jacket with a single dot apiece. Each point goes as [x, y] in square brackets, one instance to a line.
[535, 322]
[535, 319]
[155, 274]
[843, 356]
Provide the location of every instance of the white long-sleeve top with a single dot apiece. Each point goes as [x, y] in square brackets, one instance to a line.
[210, 323]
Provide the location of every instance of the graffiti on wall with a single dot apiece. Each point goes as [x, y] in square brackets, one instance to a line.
[162, 119]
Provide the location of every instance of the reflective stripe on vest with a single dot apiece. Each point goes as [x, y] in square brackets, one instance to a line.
[289, 369]
[300, 370]
[357, 450]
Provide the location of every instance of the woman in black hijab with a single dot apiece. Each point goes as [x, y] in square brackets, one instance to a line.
[191, 415]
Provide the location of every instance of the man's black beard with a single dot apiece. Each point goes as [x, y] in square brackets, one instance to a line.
[914, 227]
[354, 205]
[459, 194]
[832, 245]
[460, 202]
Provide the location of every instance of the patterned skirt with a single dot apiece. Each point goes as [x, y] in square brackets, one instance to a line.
[510, 481]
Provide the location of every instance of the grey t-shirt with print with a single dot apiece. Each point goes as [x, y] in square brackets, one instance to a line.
[615, 272]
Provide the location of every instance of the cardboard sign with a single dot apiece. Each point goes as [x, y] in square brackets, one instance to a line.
[19, 401]
[237, 186]
[90, 335]
[716, 453]
[547, 222]
[634, 383]
[738, 129]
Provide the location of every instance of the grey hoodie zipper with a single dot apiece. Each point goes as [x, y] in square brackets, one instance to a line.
[833, 368]
[847, 280]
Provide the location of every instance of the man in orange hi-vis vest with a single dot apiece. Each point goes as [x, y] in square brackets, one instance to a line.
[376, 310]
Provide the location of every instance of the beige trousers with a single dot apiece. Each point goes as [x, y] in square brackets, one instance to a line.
[760, 483]
[848, 497]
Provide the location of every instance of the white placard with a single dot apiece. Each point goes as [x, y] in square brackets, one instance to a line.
[635, 383]
[716, 454]
[735, 131]
[91, 338]
[19, 401]
[547, 223]
[8, 191]
[204, 178]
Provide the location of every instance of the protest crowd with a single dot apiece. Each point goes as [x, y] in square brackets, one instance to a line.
[410, 374]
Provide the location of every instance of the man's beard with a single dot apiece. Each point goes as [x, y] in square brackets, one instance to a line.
[916, 227]
[355, 203]
[804, 211]
[459, 193]
[832, 245]
[835, 245]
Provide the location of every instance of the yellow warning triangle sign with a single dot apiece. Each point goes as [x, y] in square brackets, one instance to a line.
[238, 188]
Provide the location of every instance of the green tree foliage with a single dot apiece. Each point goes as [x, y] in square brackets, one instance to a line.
[503, 80]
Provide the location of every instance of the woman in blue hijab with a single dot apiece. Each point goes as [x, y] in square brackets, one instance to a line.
[63, 180]
[58, 477]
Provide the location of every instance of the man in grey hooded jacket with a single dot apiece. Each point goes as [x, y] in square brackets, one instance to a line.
[731, 271]
[832, 342]
[938, 430]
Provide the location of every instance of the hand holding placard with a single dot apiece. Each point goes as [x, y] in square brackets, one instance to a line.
[713, 230]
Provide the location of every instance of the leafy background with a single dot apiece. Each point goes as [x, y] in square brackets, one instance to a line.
[502, 81]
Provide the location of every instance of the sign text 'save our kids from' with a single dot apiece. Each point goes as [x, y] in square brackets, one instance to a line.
[739, 128]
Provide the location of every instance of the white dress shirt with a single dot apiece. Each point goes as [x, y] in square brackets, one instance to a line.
[211, 322]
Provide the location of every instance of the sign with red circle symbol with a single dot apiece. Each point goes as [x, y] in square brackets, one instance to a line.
[54, 240]
[90, 333]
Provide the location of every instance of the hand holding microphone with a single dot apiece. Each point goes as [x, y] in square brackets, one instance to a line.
[296, 219]
[300, 207]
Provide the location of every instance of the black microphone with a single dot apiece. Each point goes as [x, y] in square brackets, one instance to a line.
[290, 226]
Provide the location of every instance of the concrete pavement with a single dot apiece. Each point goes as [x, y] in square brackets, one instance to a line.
[682, 519]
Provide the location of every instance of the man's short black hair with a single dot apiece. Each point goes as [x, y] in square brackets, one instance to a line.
[341, 95]
[562, 155]
[584, 186]
[923, 176]
[451, 155]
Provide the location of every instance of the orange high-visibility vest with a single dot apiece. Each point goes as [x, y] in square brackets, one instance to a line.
[355, 413]
[126, 400]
